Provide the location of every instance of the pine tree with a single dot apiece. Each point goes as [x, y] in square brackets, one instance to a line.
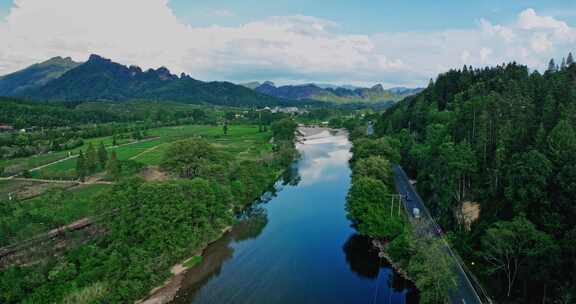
[114, 140]
[91, 159]
[563, 64]
[225, 128]
[561, 142]
[540, 139]
[570, 60]
[113, 166]
[81, 166]
[102, 155]
[552, 66]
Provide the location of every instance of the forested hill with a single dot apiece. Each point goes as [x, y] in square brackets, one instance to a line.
[100, 79]
[501, 139]
[374, 95]
[35, 76]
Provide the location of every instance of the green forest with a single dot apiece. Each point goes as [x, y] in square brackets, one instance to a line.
[500, 139]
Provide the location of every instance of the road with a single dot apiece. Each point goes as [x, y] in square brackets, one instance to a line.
[465, 292]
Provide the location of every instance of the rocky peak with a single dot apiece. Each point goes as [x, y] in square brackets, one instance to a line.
[378, 88]
[98, 59]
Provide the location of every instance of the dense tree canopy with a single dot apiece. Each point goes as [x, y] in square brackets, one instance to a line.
[503, 138]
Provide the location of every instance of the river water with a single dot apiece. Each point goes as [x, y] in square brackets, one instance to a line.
[296, 245]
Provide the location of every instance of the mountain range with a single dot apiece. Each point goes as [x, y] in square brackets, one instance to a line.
[101, 79]
[332, 93]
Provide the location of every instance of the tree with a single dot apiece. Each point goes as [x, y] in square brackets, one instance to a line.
[102, 155]
[509, 246]
[369, 208]
[552, 67]
[185, 158]
[136, 134]
[376, 167]
[230, 116]
[570, 60]
[81, 166]
[113, 167]
[385, 147]
[433, 271]
[198, 115]
[225, 128]
[561, 142]
[91, 159]
[527, 179]
[284, 129]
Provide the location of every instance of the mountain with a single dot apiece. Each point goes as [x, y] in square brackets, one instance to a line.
[335, 94]
[101, 79]
[251, 85]
[35, 76]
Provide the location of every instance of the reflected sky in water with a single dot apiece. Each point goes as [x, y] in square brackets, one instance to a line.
[297, 246]
[323, 157]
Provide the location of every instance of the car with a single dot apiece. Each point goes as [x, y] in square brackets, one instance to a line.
[416, 213]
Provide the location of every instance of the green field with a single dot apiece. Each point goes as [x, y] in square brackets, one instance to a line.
[27, 218]
[23, 189]
[17, 165]
[242, 140]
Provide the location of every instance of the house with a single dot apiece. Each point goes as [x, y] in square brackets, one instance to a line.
[6, 128]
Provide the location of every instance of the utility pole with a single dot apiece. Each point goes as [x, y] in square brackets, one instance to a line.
[392, 206]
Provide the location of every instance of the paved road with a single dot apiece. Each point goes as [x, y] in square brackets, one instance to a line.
[465, 292]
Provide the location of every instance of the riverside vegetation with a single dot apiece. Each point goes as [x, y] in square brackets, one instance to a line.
[149, 226]
[501, 139]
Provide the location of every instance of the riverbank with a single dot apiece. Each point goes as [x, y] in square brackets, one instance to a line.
[381, 247]
[166, 292]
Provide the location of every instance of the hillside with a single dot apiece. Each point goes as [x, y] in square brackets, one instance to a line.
[501, 140]
[333, 94]
[35, 76]
[100, 79]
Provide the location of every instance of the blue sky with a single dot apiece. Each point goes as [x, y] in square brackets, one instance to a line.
[395, 43]
[371, 16]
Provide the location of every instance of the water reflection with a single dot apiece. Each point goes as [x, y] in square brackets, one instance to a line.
[250, 225]
[323, 154]
[361, 256]
[296, 245]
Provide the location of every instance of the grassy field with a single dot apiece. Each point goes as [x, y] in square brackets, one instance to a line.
[24, 189]
[16, 165]
[28, 218]
[242, 140]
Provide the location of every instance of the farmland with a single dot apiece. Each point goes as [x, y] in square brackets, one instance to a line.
[244, 140]
[45, 205]
[57, 207]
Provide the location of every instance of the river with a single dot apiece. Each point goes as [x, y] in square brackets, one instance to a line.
[296, 245]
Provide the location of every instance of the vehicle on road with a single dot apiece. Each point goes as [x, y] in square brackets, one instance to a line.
[416, 213]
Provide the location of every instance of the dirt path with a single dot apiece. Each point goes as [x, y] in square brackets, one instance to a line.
[54, 181]
[145, 151]
[76, 156]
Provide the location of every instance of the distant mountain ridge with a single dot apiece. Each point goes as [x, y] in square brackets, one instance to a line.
[333, 93]
[101, 79]
[35, 76]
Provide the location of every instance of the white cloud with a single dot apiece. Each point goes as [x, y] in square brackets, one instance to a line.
[485, 54]
[284, 48]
